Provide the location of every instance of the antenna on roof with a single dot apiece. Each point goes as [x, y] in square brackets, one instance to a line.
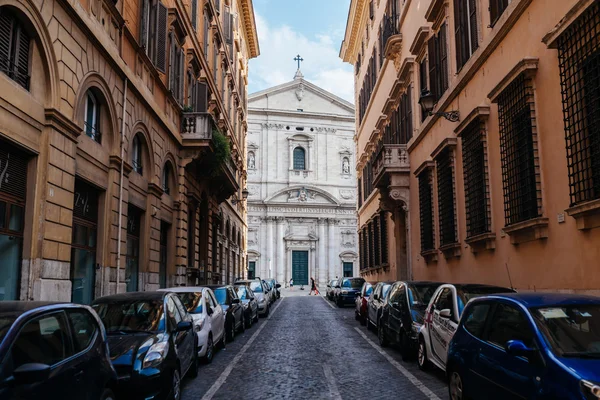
[509, 279]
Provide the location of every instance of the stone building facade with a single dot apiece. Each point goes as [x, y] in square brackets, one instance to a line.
[109, 115]
[496, 105]
[302, 202]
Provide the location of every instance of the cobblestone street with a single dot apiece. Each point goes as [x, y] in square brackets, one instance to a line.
[309, 348]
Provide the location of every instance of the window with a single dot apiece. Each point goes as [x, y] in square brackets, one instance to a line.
[348, 269]
[579, 62]
[14, 48]
[194, 14]
[475, 319]
[426, 210]
[360, 199]
[136, 155]
[405, 109]
[153, 32]
[509, 324]
[465, 30]
[176, 68]
[166, 178]
[371, 245]
[43, 340]
[518, 152]
[497, 7]
[384, 239]
[205, 38]
[92, 117]
[446, 199]
[299, 158]
[477, 203]
[423, 84]
[191, 234]
[438, 63]
[84, 328]
[371, 11]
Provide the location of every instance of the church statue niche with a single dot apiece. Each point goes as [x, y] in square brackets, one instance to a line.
[251, 160]
[346, 166]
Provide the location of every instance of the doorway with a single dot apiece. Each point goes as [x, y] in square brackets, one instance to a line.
[300, 267]
[348, 269]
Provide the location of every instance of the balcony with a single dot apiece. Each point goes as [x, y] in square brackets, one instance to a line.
[392, 159]
[196, 128]
[392, 38]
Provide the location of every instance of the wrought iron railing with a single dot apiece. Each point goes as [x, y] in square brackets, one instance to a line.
[93, 132]
[15, 72]
[390, 27]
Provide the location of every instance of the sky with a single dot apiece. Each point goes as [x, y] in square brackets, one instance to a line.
[312, 28]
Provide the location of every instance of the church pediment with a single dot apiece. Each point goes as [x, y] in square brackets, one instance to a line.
[303, 195]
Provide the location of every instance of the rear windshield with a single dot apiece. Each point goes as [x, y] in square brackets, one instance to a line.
[256, 287]
[192, 301]
[353, 283]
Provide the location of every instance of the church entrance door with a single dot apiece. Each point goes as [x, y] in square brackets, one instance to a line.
[300, 267]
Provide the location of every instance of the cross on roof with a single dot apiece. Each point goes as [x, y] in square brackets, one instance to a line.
[299, 60]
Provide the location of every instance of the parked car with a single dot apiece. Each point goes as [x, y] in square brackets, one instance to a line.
[261, 294]
[270, 291]
[375, 303]
[274, 287]
[208, 316]
[441, 320]
[330, 288]
[227, 297]
[360, 309]
[346, 290]
[402, 315]
[151, 341]
[528, 346]
[249, 303]
[53, 351]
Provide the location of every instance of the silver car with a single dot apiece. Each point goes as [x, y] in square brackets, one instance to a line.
[261, 293]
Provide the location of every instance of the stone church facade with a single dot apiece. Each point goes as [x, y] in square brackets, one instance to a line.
[302, 189]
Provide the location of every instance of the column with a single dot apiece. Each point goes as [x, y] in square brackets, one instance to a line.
[322, 266]
[309, 156]
[269, 256]
[331, 246]
[280, 251]
[313, 263]
[291, 154]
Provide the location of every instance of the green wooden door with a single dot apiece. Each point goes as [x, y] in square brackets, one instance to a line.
[300, 267]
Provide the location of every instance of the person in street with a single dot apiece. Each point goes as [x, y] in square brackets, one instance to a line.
[292, 284]
[313, 287]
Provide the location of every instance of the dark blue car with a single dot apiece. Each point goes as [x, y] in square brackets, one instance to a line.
[527, 346]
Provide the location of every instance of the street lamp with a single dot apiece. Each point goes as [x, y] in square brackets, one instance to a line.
[244, 197]
[427, 102]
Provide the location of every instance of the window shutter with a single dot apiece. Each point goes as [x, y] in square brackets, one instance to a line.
[181, 76]
[432, 58]
[195, 14]
[144, 25]
[473, 25]
[205, 38]
[227, 25]
[409, 117]
[171, 80]
[443, 60]
[161, 38]
[201, 100]
[371, 10]
[459, 28]
[6, 31]
[22, 58]
[494, 11]
[231, 25]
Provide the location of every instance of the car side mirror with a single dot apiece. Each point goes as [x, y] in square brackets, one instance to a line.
[446, 313]
[338, 287]
[278, 285]
[31, 373]
[183, 326]
[235, 301]
[517, 348]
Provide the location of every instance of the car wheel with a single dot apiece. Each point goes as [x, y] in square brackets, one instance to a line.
[455, 386]
[422, 356]
[210, 350]
[107, 394]
[382, 335]
[230, 331]
[176, 388]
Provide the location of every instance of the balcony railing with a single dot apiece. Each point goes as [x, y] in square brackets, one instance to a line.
[392, 158]
[196, 126]
[390, 27]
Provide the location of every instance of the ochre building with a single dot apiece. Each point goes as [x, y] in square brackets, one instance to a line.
[480, 119]
[122, 145]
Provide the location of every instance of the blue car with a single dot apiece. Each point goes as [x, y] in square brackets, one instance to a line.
[527, 346]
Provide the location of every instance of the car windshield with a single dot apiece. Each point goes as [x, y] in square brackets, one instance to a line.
[132, 315]
[353, 283]
[466, 294]
[385, 290]
[572, 331]
[6, 322]
[192, 302]
[241, 292]
[256, 287]
[419, 295]
[221, 295]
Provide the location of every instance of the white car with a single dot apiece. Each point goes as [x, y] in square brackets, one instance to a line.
[442, 317]
[208, 315]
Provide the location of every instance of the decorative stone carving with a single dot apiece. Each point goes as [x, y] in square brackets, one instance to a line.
[348, 238]
[330, 130]
[253, 190]
[300, 91]
[272, 126]
[252, 237]
[251, 160]
[301, 195]
[347, 194]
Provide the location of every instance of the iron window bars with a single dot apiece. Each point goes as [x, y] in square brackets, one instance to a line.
[446, 197]
[579, 62]
[299, 158]
[518, 152]
[477, 199]
[426, 210]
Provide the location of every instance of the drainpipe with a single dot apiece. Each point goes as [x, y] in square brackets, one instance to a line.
[119, 234]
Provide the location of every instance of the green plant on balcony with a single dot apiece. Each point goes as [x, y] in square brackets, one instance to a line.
[221, 153]
[188, 108]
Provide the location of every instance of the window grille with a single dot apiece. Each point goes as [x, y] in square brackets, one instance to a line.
[579, 62]
[426, 210]
[518, 152]
[446, 199]
[14, 48]
[299, 158]
[377, 242]
[497, 7]
[384, 239]
[465, 26]
[477, 201]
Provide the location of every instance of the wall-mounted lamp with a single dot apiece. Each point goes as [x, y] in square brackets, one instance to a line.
[427, 102]
[244, 197]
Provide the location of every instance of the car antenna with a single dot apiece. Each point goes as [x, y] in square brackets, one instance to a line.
[509, 279]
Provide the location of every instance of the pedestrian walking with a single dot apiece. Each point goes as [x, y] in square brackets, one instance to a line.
[292, 284]
[313, 287]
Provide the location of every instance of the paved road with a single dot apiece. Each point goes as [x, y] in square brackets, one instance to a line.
[310, 349]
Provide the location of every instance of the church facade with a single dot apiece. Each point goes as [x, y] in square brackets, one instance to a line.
[302, 190]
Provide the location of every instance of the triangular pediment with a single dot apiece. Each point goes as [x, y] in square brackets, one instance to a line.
[303, 195]
[300, 94]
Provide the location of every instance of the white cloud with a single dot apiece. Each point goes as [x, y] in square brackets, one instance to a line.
[322, 65]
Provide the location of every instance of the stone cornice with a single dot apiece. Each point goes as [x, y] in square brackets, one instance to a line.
[550, 39]
[57, 120]
[247, 10]
[527, 65]
[349, 49]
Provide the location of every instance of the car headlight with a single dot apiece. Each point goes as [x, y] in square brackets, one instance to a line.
[344, 292]
[262, 300]
[155, 355]
[590, 390]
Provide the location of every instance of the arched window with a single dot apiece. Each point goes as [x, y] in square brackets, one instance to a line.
[136, 156]
[14, 48]
[299, 158]
[92, 117]
[166, 178]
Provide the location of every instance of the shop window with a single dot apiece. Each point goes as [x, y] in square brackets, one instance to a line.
[426, 210]
[14, 48]
[92, 117]
[136, 156]
[299, 158]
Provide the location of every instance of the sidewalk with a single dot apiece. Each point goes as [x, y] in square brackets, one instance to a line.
[287, 292]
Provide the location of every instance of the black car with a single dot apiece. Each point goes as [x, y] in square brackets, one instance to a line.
[152, 343]
[249, 303]
[346, 290]
[53, 351]
[375, 303]
[234, 311]
[402, 315]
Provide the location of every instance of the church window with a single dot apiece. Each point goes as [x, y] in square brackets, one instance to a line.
[299, 158]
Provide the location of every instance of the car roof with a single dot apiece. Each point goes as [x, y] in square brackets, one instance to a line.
[24, 306]
[474, 286]
[154, 295]
[541, 299]
[183, 289]
[213, 287]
